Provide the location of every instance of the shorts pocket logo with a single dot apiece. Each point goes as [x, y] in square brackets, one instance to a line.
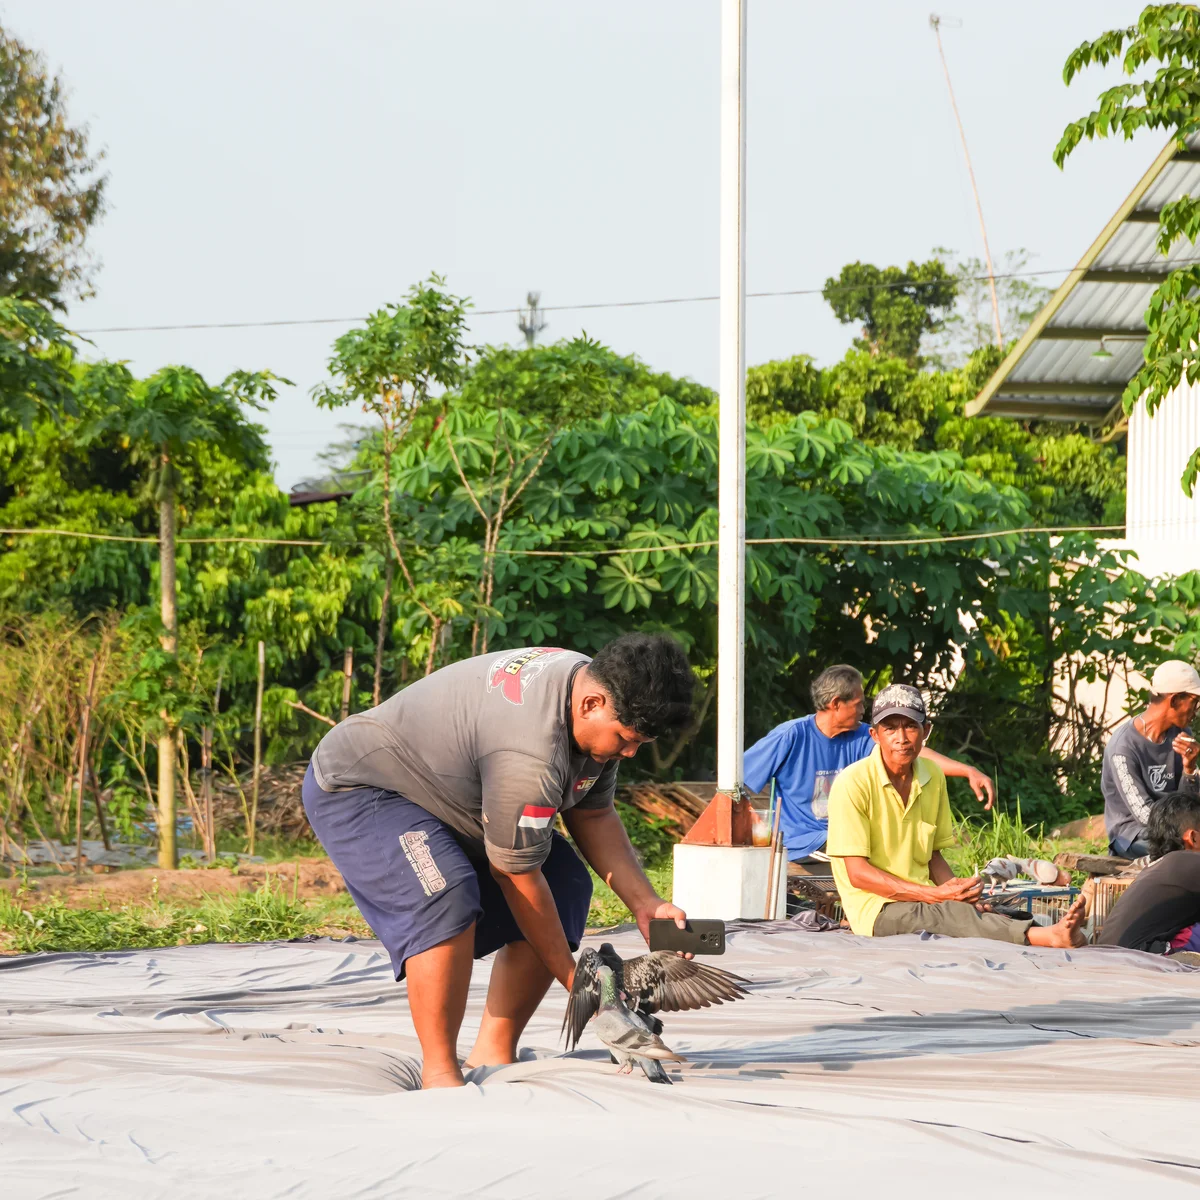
[419, 858]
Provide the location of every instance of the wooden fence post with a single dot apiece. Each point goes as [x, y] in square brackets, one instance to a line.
[381, 634]
[347, 680]
[84, 729]
[206, 759]
[262, 659]
[210, 841]
[99, 808]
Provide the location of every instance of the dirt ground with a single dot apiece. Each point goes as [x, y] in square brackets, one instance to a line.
[312, 878]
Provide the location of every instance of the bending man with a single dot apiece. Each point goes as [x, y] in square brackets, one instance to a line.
[1160, 910]
[889, 821]
[438, 808]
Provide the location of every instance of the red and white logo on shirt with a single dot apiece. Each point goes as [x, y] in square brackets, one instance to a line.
[511, 674]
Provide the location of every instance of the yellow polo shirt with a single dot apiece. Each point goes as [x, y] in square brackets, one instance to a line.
[867, 819]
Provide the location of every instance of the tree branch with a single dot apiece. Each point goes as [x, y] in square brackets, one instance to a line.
[311, 712]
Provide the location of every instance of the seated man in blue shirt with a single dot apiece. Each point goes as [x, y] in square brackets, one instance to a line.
[805, 756]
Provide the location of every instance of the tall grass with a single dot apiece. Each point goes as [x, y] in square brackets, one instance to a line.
[1006, 835]
[267, 914]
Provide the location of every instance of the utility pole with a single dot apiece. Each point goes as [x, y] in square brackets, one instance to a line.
[719, 872]
[731, 463]
[935, 23]
[529, 319]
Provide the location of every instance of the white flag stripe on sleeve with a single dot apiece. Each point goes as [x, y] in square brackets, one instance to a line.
[536, 816]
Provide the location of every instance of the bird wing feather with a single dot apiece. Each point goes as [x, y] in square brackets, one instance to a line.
[661, 981]
[584, 1000]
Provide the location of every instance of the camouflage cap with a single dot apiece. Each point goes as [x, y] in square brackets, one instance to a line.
[902, 700]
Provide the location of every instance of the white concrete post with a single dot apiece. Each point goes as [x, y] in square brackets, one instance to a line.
[731, 549]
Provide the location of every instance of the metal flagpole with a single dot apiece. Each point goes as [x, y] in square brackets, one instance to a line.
[731, 549]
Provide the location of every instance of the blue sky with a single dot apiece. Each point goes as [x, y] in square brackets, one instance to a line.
[275, 161]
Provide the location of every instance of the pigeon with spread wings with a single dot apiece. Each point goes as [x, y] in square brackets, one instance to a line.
[660, 981]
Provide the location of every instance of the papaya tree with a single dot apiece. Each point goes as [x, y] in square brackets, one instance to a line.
[162, 423]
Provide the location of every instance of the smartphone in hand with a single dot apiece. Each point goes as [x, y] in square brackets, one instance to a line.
[699, 937]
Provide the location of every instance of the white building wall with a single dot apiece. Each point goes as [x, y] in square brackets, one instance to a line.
[1162, 525]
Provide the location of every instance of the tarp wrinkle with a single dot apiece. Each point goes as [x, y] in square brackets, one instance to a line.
[293, 1069]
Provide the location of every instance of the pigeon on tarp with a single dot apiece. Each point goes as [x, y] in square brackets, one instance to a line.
[626, 1035]
[660, 981]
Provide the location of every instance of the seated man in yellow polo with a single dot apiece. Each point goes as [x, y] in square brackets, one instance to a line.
[889, 821]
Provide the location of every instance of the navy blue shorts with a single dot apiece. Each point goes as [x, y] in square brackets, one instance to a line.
[414, 883]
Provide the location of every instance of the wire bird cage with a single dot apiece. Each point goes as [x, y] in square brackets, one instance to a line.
[1105, 890]
[819, 892]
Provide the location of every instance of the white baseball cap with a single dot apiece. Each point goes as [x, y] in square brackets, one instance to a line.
[1175, 676]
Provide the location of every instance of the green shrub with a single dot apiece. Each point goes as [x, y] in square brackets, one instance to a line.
[266, 914]
[651, 836]
[1003, 836]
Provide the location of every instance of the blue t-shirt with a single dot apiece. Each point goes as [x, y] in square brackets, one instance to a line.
[804, 763]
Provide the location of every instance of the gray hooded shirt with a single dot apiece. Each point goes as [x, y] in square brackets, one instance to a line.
[483, 745]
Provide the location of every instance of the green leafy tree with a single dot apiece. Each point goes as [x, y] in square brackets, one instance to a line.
[162, 423]
[51, 190]
[505, 421]
[391, 367]
[1069, 615]
[970, 326]
[1165, 97]
[36, 360]
[895, 306]
[889, 400]
[644, 481]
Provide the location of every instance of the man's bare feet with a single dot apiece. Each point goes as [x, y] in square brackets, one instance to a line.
[1066, 934]
[442, 1079]
[499, 1054]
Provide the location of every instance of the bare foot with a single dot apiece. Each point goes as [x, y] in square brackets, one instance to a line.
[499, 1056]
[1066, 934]
[442, 1079]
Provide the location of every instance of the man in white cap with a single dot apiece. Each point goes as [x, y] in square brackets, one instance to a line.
[1150, 756]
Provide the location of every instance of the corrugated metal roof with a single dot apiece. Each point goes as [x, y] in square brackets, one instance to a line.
[1052, 373]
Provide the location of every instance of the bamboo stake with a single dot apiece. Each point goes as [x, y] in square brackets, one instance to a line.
[207, 761]
[83, 763]
[104, 653]
[773, 878]
[381, 634]
[99, 808]
[193, 804]
[206, 790]
[347, 680]
[262, 661]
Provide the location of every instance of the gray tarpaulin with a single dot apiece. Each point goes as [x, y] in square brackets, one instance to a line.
[897, 1067]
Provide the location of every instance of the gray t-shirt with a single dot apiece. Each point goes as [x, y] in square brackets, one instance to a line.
[484, 745]
[1136, 773]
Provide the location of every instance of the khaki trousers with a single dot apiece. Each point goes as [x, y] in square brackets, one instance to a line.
[950, 919]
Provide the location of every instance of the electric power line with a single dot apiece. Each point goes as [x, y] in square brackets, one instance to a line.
[508, 312]
[666, 548]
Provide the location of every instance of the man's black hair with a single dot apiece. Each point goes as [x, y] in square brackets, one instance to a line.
[1170, 818]
[650, 681]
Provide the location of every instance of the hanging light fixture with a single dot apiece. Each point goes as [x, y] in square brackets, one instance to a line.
[1103, 352]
